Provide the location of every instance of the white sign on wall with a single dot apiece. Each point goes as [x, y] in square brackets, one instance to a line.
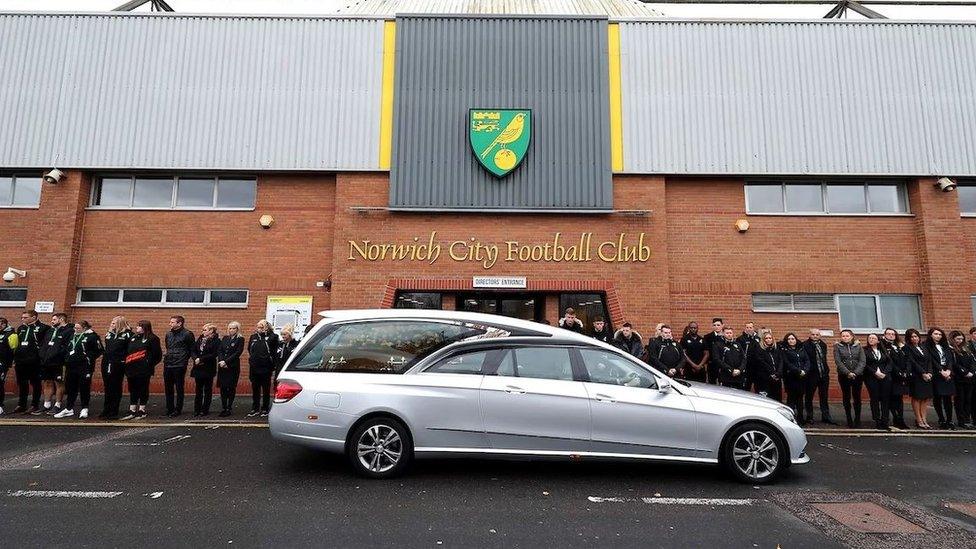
[507, 282]
[289, 309]
[44, 306]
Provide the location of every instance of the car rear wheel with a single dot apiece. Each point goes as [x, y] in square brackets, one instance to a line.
[753, 453]
[380, 447]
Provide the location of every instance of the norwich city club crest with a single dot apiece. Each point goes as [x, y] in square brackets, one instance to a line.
[499, 137]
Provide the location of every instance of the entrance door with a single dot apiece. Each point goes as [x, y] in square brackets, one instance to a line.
[524, 306]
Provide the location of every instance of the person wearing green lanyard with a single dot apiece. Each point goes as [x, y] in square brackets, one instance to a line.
[54, 351]
[27, 360]
[8, 343]
[83, 351]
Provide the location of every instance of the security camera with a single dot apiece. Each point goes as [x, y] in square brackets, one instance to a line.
[946, 185]
[54, 176]
[12, 274]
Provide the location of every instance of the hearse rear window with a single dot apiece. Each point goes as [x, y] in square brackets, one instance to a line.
[382, 347]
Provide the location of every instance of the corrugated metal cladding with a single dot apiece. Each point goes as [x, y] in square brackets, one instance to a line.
[611, 8]
[198, 92]
[556, 67]
[799, 98]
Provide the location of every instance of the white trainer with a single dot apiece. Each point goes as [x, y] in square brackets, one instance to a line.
[64, 413]
[83, 414]
[1, 410]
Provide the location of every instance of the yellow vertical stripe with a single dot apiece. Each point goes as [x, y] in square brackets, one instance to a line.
[386, 102]
[616, 110]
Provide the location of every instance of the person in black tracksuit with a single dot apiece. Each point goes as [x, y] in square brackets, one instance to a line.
[229, 367]
[54, 353]
[83, 350]
[796, 370]
[878, 379]
[964, 374]
[665, 354]
[113, 365]
[142, 356]
[764, 366]
[179, 349]
[696, 353]
[285, 348]
[27, 361]
[920, 385]
[818, 380]
[717, 335]
[204, 359]
[900, 377]
[943, 386]
[8, 343]
[731, 360]
[601, 331]
[748, 340]
[262, 348]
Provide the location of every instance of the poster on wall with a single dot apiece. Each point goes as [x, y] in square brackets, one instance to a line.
[289, 309]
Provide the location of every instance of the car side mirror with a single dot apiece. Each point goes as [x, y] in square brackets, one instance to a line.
[663, 385]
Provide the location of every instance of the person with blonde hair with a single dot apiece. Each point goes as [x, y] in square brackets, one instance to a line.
[262, 349]
[113, 365]
[850, 359]
[204, 360]
[287, 346]
[229, 367]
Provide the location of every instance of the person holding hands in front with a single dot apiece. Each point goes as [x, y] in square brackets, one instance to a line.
[917, 359]
[229, 367]
[263, 350]
[204, 359]
[850, 361]
[877, 377]
[943, 386]
[796, 369]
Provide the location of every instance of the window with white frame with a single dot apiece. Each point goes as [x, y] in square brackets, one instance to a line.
[13, 297]
[793, 303]
[827, 197]
[876, 312]
[180, 193]
[20, 191]
[162, 297]
[967, 198]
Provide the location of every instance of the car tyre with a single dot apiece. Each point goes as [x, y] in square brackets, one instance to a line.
[380, 447]
[754, 453]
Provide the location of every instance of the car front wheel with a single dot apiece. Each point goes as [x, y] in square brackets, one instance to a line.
[753, 453]
[380, 447]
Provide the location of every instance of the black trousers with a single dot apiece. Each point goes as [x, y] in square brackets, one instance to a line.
[204, 395]
[77, 381]
[964, 402]
[851, 389]
[712, 371]
[879, 391]
[3, 382]
[260, 391]
[28, 378]
[772, 389]
[794, 399]
[112, 376]
[139, 391]
[174, 380]
[819, 386]
[896, 406]
[227, 380]
[943, 408]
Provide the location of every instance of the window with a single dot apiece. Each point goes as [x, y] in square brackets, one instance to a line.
[468, 363]
[184, 193]
[13, 297]
[389, 346]
[967, 198]
[611, 369]
[587, 307]
[820, 198]
[20, 191]
[793, 303]
[544, 363]
[972, 300]
[876, 312]
[418, 300]
[161, 297]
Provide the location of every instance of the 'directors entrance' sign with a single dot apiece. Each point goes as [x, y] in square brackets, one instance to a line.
[499, 282]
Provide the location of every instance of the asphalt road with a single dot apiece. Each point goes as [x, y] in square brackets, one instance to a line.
[232, 485]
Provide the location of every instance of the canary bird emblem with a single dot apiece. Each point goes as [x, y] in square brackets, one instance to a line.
[499, 138]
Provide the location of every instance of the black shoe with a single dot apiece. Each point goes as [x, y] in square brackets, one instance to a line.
[19, 410]
[197, 414]
[951, 426]
[224, 413]
[828, 421]
[176, 414]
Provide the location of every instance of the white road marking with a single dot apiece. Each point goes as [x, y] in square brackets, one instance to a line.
[677, 501]
[61, 494]
[154, 495]
[31, 459]
[169, 440]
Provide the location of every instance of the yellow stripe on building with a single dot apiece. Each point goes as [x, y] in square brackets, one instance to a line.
[386, 102]
[616, 110]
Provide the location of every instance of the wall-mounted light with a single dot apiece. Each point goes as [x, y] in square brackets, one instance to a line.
[946, 185]
[741, 225]
[266, 221]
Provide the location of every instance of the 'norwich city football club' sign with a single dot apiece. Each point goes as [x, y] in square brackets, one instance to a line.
[499, 137]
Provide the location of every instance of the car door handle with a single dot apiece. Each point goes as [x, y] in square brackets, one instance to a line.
[604, 398]
[513, 390]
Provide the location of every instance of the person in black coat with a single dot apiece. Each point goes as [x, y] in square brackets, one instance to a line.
[83, 350]
[920, 385]
[262, 349]
[796, 370]
[204, 360]
[27, 361]
[665, 354]
[748, 339]
[628, 340]
[8, 343]
[943, 386]
[696, 354]
[818, 380]
[900, 377]
[730, 357]
[711, 338]
[142, 356]
[601, 331]
[877, 378]
[764, 365]
[229, 367]
[54, 353]
[286, 347]
[971, 345]
[113, 365]
[964, 375]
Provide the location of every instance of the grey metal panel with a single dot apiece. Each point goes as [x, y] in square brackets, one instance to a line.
[864, 98]
[610, 8]
[556, 67]
[190, 92]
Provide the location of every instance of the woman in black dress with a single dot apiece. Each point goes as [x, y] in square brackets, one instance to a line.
[920, 386]
[899, 377]
[943, 387]
[143, 354]
[877, 377]
[796, 368]
[964, 373]
[229, 366]
[204, 357]
[765, 365]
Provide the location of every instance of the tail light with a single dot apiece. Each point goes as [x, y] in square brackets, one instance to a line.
[286, 390]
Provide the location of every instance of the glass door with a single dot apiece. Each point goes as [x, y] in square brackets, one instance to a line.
[524, 306]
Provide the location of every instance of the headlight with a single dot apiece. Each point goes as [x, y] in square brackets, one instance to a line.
[787, 413]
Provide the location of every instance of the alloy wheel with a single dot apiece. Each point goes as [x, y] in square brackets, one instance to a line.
[379, 448]
[755, 454]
